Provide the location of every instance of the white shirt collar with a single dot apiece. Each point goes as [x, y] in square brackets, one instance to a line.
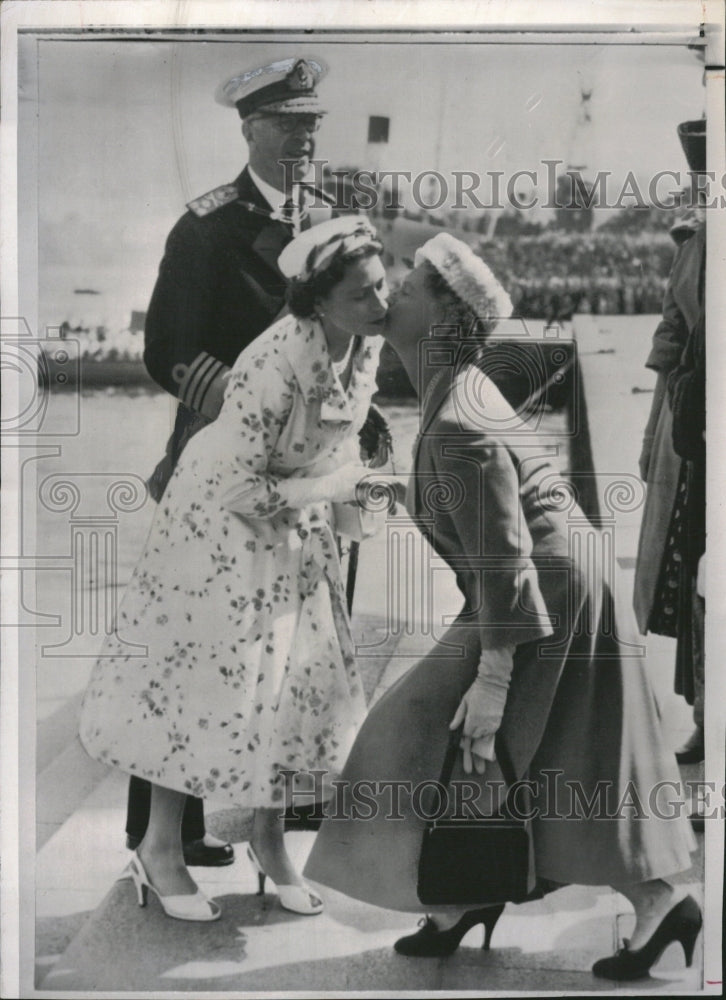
[274, 198]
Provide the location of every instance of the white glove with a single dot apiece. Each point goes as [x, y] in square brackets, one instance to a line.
[263, 496]
[340, 486]
[482, 707]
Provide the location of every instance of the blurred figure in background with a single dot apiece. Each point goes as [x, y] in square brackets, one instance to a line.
[672, 535]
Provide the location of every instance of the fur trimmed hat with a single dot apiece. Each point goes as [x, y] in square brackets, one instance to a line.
[468, 277]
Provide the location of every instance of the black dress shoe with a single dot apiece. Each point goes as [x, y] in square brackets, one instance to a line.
[197, 854]
[682, 923]
[430, 942]
[694, 750]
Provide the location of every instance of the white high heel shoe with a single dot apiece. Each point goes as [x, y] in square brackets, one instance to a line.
[296, 898]
[194, 906]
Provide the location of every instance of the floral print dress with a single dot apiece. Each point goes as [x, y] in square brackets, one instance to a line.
[245, 662]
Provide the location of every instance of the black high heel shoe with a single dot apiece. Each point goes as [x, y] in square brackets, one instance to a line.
[430, 942]
[682, 923]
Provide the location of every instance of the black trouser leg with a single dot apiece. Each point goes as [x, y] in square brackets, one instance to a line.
[137, 812]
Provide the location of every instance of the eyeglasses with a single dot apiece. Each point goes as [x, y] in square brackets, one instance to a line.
[290, 122]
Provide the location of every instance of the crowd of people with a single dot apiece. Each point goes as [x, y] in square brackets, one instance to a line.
[99, 343]
[553, 275]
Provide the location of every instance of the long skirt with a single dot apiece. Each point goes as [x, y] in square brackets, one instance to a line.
[607, 804]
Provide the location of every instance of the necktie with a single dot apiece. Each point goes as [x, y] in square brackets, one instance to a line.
[304, 216]
[290, 216]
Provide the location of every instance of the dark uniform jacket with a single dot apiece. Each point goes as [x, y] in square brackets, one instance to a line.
[218, 288]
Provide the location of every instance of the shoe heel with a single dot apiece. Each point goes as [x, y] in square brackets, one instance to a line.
[688, 941]
[261, 876]
[140, 883]
[491, 916]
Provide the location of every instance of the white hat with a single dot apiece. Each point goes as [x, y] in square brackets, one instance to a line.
[286, 86]
[468, 277]
[310, 252]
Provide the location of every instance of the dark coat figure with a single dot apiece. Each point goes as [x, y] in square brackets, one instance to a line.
[579, 706]
[218, 288]
[662, 465]
[687, 395]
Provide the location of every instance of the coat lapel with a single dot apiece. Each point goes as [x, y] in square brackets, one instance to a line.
[436, 392]
[270, 242]
[272, 235]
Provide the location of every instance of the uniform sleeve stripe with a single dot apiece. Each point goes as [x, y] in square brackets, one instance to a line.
[209, 379]
[188, 389]
[201, 380]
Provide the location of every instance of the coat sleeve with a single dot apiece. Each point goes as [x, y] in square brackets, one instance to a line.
[671, 333]
[687, 394]
[180, 319]
[495, 543]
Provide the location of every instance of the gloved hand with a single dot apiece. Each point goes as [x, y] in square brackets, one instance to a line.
[340, 486]
[482, 707]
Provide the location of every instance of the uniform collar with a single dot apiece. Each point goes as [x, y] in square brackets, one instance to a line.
[274, 198]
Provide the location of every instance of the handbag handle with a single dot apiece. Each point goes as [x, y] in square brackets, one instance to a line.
[502, 754]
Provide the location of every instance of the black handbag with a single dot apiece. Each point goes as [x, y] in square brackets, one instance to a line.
[477, 861]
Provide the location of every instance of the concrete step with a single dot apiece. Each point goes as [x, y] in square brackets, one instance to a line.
[258, 946]
[56, 731]
[91, 934]
[62, 787]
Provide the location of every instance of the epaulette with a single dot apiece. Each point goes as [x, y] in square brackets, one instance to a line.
[213, 200]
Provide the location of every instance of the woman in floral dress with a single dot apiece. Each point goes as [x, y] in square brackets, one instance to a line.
[245, 664]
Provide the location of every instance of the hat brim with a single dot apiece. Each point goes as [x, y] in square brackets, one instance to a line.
[292, 105]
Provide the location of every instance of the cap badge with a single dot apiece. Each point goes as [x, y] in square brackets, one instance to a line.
[301, 76]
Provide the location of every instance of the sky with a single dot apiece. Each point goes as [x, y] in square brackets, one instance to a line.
[128, 132]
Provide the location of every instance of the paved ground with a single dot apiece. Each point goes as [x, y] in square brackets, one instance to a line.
[90, 934]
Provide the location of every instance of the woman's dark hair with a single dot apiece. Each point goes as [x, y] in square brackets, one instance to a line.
[303, 295]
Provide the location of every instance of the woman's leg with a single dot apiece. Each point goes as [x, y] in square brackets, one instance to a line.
[268, 843]
[161, 850]
[651, 901]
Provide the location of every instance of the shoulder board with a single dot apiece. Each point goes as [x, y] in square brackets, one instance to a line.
[213, 200]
